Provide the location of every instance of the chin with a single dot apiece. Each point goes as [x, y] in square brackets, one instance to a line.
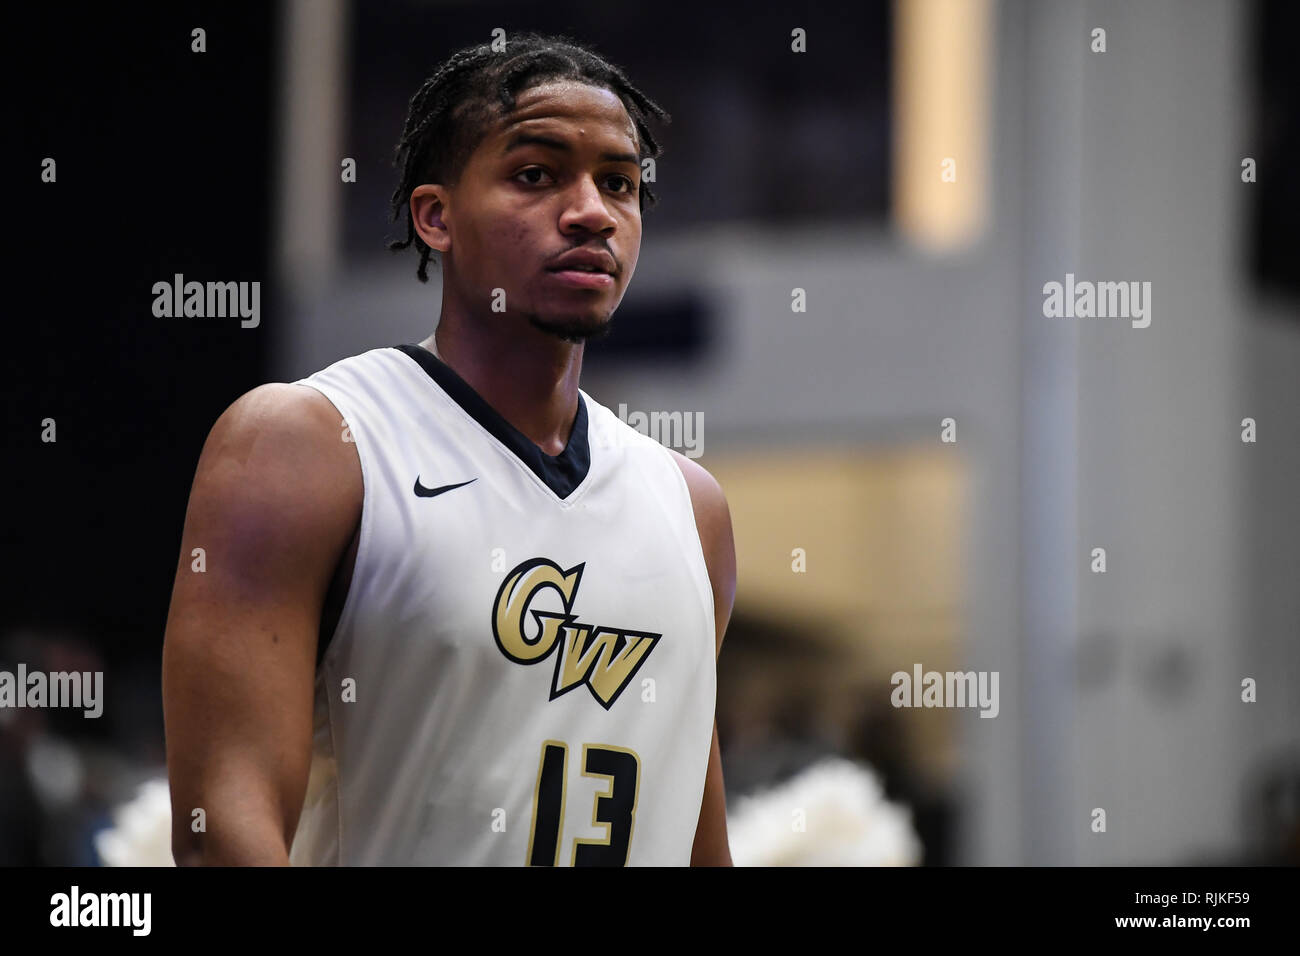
[572, 329]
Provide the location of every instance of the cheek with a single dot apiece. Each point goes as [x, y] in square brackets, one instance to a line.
[496, 252]
[516, 252]
[631, 250]
[506, 238]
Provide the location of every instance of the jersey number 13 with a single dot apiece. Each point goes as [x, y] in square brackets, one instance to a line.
[614, 808]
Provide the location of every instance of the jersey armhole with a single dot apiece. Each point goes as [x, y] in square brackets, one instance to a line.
[699, 544]
[350, 422]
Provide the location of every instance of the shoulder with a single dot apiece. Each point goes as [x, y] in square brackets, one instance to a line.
[261, 419]
[281, 449]
[707, 497]
[708, 503]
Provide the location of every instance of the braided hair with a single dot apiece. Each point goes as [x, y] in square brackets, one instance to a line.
[452, 112]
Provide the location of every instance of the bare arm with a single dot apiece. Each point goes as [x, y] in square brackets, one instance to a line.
[276, 498]
[713, 521]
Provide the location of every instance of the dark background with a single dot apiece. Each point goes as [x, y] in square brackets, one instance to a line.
[163, 166]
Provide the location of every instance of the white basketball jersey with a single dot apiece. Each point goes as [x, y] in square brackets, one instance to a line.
[523, 671]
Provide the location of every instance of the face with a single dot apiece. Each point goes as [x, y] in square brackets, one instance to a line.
[547, 208]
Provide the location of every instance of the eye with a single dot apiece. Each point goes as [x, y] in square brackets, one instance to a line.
[534, 173]
[618, 178]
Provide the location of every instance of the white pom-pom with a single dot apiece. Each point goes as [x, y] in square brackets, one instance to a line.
[142, 831]
[831, 814]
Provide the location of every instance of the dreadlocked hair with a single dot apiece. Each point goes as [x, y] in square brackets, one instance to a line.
[452, 111]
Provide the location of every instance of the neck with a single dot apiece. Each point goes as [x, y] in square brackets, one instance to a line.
[529, 377]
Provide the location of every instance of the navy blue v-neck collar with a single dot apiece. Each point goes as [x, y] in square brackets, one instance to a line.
[561, 473]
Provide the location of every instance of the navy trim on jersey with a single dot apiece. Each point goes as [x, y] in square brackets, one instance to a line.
[562, 473]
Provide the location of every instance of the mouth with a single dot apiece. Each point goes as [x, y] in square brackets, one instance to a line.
[582, 277]
[585, 267]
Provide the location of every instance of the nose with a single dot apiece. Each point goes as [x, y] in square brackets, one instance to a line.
[585, 209]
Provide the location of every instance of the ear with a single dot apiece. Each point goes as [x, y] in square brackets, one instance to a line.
[429, 214]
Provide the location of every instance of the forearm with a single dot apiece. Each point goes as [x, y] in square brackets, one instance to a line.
[714, 853]
[711, 847]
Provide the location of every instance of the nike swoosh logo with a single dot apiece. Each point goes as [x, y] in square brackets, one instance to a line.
[423, 492]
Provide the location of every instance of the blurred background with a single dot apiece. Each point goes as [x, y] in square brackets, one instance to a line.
[866, 544]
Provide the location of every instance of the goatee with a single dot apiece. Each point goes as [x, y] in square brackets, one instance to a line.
[572, 331]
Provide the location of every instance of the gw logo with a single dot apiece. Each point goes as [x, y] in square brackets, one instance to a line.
[606, 661]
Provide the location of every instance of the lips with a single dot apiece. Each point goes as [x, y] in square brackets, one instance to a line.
[578, 279]
[588, 261]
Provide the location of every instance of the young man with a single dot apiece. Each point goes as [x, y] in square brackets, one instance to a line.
[453, 610]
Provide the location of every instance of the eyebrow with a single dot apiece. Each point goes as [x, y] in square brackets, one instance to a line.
[550, 142]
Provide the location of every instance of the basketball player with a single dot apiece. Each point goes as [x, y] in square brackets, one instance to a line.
[452, 610]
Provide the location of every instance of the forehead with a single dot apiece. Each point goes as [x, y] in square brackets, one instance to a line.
[585, 112]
